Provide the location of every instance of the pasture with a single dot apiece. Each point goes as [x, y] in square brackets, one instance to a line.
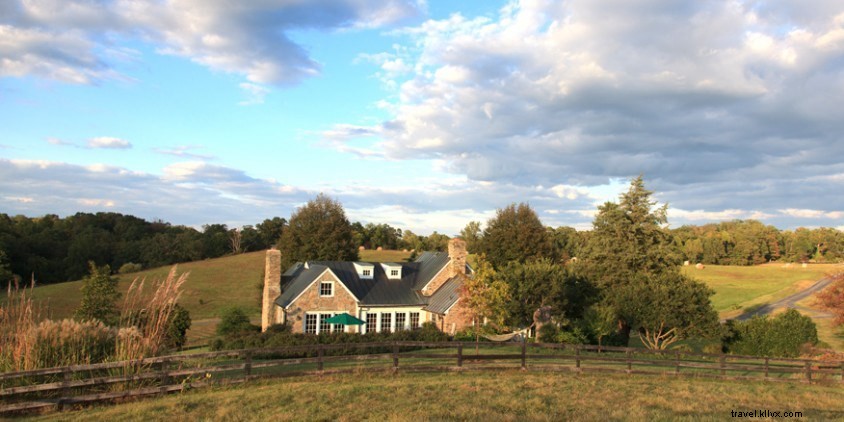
[739, 288]
[489, 395]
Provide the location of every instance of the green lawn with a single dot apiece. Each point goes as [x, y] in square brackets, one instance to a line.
[494, 395]
[737, 288]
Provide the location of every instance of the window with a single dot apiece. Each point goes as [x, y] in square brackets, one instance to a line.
[400, 318]
[414, 320]
[367, 273]
[386, 320]
[371, 323]
[310, 323]
[394, 273]
[339, 328]
[324, 327]
[326, 288]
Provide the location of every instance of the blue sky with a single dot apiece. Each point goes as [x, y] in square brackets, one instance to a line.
[423, 115]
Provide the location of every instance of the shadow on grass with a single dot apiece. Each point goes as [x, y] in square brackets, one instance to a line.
[758, 309]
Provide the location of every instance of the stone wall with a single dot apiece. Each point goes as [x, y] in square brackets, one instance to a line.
[456, 319]
[272, 288]
[311, 301]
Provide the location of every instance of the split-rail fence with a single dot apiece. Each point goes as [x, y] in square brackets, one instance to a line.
[61, 387]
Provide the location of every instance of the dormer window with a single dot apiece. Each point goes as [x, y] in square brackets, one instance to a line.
[365, 270]
[392, 270]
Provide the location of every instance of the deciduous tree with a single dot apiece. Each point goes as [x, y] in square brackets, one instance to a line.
[484, 296]
[319, 230]
[514, 234]
[832, 299]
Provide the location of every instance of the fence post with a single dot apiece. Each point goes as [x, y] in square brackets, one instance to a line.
[677, 363]
[766, 366]
[577, 357]
[247, 365]
[67, 377]
[320, 354]
[809, 372]
[629, 354]
[524, 355]
[164, 377]
[723, 365]
[395, 357]
[460, 355]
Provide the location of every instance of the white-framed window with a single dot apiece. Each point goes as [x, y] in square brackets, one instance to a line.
[371, 322]
[414, 320]
[401, 317]
[324, 327]
[326, 289]
[338, 328]
[394, 273]
[386, 322]
[311, 323]
[367, 273]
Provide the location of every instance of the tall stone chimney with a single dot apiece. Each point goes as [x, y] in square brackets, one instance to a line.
[457, 254]
[272, 288]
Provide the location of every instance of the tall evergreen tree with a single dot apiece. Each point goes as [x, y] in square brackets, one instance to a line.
[632, 258]
[319, 230]
[99, 296]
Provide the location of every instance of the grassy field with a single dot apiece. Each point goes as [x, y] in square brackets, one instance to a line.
[213, 285]
[500, 395]
[738, 288]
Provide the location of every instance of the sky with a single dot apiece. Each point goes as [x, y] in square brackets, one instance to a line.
[424, 115]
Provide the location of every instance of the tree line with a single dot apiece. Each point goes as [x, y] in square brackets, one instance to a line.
[54, 249]
[738, 242]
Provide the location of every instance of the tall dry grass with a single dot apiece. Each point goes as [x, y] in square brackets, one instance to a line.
[18, 316]
[145, 317]
[28, 342]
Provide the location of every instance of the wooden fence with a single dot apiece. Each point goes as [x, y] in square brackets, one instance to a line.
[57, 388]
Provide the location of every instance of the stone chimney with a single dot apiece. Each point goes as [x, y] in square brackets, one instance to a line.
[457, 254]
[272, 288]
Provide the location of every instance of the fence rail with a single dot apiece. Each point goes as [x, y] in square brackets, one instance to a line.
[56, 388]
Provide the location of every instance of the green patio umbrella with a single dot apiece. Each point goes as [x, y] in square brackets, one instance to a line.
[344, 319]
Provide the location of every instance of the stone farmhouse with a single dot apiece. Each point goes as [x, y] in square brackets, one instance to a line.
[387, 296]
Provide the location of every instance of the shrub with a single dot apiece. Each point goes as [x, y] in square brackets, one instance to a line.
[130, 267]
[573, 336]
[233, 321]
[279, 336]
[548, 333]
[177, 327]
[781, 336]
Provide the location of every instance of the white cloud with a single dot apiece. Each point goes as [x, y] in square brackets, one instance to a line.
[255, 93]
[804, 213]
[71, 40]
[727, 108]
[185, 151]
[107, 142]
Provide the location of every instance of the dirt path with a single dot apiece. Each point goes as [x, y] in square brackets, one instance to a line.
[791, 302]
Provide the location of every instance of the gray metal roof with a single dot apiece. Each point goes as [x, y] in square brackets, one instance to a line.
[379, 290]
[430, 264]
[297, 284]
[445, 296]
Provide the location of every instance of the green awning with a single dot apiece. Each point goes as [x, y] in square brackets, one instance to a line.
[344, 319]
